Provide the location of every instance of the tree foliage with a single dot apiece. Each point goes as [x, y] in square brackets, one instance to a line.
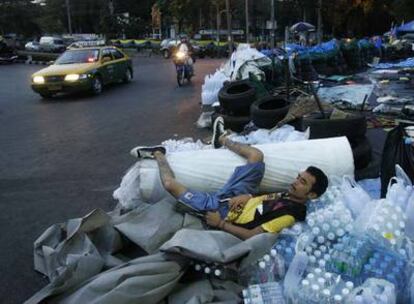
[340, 17]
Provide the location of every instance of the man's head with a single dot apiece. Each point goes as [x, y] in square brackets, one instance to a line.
[309, 184]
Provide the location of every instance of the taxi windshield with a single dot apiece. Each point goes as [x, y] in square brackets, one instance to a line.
[78, 56]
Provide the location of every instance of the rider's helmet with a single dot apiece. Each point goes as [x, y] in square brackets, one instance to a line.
[183, 39]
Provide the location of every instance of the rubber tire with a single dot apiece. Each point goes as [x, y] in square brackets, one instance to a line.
[93, 90]
[46, 96]
[362, 152]
[127, 79]
[237, 96]
[234, 123]
[352, 127]
[268, 111]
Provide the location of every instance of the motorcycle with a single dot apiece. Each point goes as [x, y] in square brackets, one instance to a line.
[184, 70]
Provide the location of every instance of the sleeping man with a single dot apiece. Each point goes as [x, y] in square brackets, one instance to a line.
[237, 208]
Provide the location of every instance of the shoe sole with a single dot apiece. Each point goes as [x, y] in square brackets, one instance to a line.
[146, 154]
[215, 139]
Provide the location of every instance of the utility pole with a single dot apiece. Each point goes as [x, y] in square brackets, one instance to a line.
[247, 22]
[272, 20]
[69, 18]
[229, 34]
[319, 21]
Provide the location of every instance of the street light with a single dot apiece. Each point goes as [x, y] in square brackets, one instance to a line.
[229, 35]
[247, 21]
[69, 18]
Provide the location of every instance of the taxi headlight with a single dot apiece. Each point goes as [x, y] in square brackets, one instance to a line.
[72, 77]
[38, 80]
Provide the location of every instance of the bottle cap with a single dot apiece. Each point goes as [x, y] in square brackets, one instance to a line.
[331, 236]
[349, 285]
[197, 267]
[317, 271]
[340, 232]
[310, 276]
[338, 298]
[207, 270]
[328, 275]
[305, 283]
[312, 259]
[273, 252]
[317, 253]
[316, 230]
[262, 265]
[322, 263]
[326, 257]
[308, 249]
[320, 239]
[326, 292]
[321, 281]
[315, 288]
[217, 272]
[345, 292]
[266, 257]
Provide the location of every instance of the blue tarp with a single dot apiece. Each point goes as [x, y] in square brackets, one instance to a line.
[408, 63]
[408, 27]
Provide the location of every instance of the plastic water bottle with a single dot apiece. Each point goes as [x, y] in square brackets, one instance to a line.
[295, 272]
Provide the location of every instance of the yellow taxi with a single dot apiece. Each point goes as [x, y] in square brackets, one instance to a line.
[83, 69]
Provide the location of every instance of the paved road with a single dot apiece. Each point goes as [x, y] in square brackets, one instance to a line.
[60, 159]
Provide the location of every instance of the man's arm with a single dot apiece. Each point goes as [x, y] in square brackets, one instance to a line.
[213, 219]
[240, 232]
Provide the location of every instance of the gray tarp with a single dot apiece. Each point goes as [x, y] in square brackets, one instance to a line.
[74, 253]
[206, 291]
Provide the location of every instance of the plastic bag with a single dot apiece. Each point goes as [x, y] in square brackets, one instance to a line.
[373, 291]
[354, 197]
[399, 188]
[396, 152]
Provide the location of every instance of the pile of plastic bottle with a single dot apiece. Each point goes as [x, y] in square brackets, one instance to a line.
[351, 250]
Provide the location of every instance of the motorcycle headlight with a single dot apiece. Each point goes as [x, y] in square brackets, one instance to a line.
[38, 80]
[180, 55]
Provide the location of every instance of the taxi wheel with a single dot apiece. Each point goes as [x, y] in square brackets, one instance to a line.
[128, 76]
[46, 95]
[97, 85]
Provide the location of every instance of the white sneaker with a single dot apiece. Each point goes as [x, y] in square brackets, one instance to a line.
[218, 130]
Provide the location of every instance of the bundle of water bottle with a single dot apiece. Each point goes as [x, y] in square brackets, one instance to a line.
[352, 249]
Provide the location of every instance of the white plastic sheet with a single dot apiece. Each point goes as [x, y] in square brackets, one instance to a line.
[208, 170]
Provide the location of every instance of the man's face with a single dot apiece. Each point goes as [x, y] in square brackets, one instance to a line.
[301, 187]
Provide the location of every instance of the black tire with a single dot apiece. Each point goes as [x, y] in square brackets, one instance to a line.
[128, 76]
[268, 111]
[362, 152]
[234, 123]
[97, 85]
[237, 96]
[46, 95]
[180, 78]
[354, 126]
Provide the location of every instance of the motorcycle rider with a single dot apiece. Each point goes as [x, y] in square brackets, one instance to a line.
[186, 48]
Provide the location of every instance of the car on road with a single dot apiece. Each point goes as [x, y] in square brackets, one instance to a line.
[168, 47]
[52, 44]
[33, 46]
[84, 69]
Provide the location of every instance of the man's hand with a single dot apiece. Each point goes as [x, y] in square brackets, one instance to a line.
[213, 219]
[237, 203]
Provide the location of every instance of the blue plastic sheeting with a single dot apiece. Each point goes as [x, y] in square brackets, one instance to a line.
[408, 27]
[353, 94]
[372, 187]
[408, 63]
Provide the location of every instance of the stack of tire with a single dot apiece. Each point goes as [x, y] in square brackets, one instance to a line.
[354, 127]
[267, 111]
[235, 100]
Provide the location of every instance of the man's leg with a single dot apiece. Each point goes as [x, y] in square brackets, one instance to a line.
[167, 176]
[251, 154]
